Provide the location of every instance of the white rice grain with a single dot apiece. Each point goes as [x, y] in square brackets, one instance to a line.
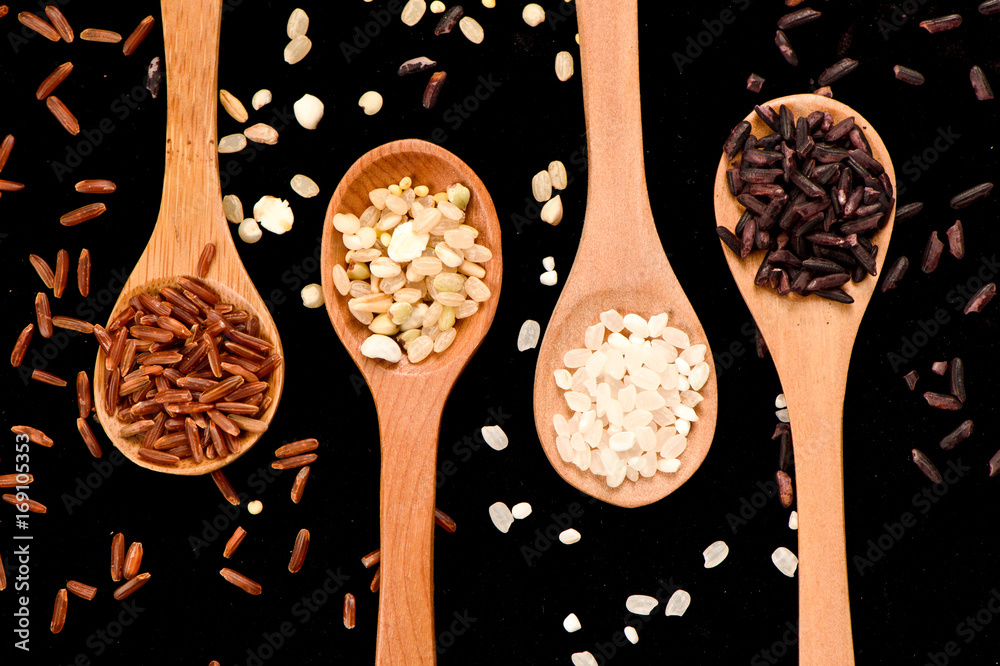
[527, 337]
[501, 516]
[785, 560]
[495, 437]
[678, 603]
[715, 554]
[641, 604]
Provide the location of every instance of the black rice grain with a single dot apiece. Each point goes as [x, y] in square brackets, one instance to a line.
[911, 379]
[737, 138]
[942, 23]
[895, 273]
[449, 20]
[980, 84]
[957, 436]
[787, 52]
[729, 238]
[956, 240]
[798, 17]
[929, 469]
[942, 401]
[838, 295]
[904, 213]
[989, 7]
[970, 196]
[907, 75]
[932, 253]
[755, 82]
[956, 377]
[995, 464]
[981, 298]
[837, 71]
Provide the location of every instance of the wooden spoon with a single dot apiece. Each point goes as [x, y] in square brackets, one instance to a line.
[620, 263]
[810, 341]
[191, 210]
[409, 398]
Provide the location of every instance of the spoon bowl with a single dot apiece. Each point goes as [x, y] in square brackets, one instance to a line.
[620, 264]
[191, 214]
[409, 398]
[810, 340]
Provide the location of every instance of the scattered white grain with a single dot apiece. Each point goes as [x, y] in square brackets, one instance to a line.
[495, 437]
[471, 29]
[715, 554]
[249, 231]
[782, 415]
[785, 560]
[232, 143]
[437, 7]
[569, 536]
[274, 214]
[371, 102]
[312, 296]
[255, 507]
[527, 337]
[298, 24]
[533, 14]
[564, 65]
[552, 211]
[297, 49]
[260, 98]
[549, 263]
[413, 11]
[521, 510]
[304, 186]
[779, 402]
[678, 603]
[632, 635]
[572, 623]
[383, 347]
[308, 111]
[793, 520]
[583, 659]
[549, 278]
[641, 604]
[500, 515]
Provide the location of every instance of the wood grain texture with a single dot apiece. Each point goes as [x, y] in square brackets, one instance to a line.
[409, 398]
[191, 208]
[620, 263]
[811, 339]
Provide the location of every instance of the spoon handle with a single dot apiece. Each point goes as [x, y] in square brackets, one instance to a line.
[616, 191]
[817, 413]
[409, 431]
[190, 210]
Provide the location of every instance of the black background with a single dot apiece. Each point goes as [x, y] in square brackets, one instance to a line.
[907, 602]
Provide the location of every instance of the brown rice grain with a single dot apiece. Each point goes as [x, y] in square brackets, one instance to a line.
[44, 314]
[52, 81]
[88, 437]
[43, 269]
[226, 488]
[82, 214]
[241, 581]
[350, 610]
[83, 273]
[131, 586]
[297, 448]
[47, 378]
[376, 580]
[234, 542]
[83, 400]
[299, 551]
[73, 324]
[138, 35]
[158, 457]
[117, 556]
[35, 436]
[30, 504]
[81, 590]
[39, 25]
[100, 35]
[96, 186]
[59, 611]
[10, 186]
[133, 560]
[294, 462]
[14, 480]
[246, 423]
[21, 345]
[63, 115]
[60, 23]
[205, 260]
[372, 558]
[444, 521]
[137, 427]
[299, 485]
[61, 273]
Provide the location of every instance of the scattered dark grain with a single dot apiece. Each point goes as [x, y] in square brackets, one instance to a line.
[942, 401]
[957, 436]
[980, 299]
[925, 465]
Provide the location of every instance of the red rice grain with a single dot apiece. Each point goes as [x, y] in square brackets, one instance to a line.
[81, 590]
[225, 487]
[133, 560]
[117, 557]
[131, 586]
[234, 542]
[299, 485]
[350, 610]
[61, 273]
[35, 436]
[47, 378]
[299, 551]
[241, 581]
[21, 346]
[88, 437]
[59, 611]
[138, 35]
[30, 504]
